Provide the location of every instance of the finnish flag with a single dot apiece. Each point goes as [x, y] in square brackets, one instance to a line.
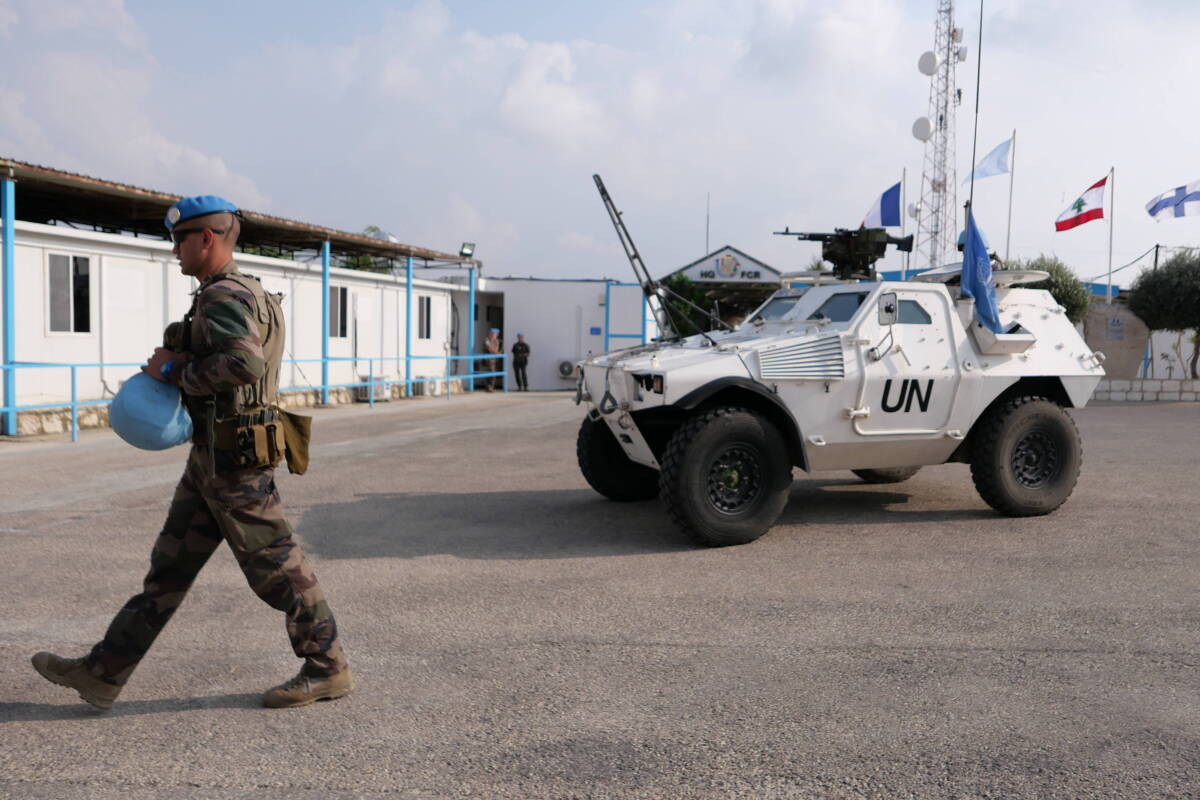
[1182, 201]
[885, 213]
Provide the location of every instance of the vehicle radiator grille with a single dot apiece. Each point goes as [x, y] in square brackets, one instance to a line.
[818, 360]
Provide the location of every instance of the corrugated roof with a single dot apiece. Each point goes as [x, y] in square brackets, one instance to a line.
[47, 195]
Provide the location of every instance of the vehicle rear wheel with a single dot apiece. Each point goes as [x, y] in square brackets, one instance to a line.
[725, 476]
[606, 467]
[1025, 457]
[887, 475]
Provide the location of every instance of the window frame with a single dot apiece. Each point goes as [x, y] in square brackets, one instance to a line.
[338, 311]
[900, 313]
[862, 301]
[72, 289]
[424, 316]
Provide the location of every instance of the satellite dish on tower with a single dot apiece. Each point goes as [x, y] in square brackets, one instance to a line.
[914, 210]
[922, 129]
[928, 63]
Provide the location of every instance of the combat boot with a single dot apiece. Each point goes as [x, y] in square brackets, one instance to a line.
[304, 689]
[73, 673]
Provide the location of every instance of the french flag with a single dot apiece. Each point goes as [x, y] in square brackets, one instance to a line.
[885, 212]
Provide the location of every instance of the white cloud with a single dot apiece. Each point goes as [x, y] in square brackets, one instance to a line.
[789, 112]
[8, 20]
[542, 102]
[106, 17]
[76, 105]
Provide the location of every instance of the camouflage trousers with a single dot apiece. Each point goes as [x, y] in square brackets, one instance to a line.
[243, 508]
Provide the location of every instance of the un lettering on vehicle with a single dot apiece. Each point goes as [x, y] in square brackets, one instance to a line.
[910, 390]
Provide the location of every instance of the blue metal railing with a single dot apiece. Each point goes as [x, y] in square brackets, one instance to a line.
[408, 380]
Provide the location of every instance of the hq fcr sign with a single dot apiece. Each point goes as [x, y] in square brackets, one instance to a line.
[728, 267]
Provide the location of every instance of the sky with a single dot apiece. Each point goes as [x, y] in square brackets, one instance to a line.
[445, 121]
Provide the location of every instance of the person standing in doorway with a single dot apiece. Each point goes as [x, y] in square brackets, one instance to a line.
[492, 345]
[520, 352]
[225, 358]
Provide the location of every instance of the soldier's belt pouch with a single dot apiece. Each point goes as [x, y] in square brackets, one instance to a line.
[254, 446]
[297, 431]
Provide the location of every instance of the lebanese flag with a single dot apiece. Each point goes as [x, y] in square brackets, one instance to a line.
[1089, 206]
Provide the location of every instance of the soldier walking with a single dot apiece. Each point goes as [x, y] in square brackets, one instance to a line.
[226, 361]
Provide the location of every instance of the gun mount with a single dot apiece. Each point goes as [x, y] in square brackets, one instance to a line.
[853, 253]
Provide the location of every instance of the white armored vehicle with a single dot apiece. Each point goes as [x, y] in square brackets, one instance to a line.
[876, 377]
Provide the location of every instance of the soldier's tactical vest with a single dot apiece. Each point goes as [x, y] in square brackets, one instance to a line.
[242, 420]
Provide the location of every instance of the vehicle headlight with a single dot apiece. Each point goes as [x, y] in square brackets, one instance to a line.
[650, 381]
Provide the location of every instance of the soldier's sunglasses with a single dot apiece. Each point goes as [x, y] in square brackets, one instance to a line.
[179, 234]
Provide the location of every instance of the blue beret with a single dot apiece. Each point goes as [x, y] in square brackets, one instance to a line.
[189, 207]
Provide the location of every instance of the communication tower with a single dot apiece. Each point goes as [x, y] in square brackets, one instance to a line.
[935, 213]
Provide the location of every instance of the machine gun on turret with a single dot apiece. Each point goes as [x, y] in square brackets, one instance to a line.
[853, 253]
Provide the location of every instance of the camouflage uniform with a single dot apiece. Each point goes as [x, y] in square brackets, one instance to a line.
[236, 343]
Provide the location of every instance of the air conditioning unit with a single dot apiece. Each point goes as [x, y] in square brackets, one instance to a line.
[382, 391]
[566, 369]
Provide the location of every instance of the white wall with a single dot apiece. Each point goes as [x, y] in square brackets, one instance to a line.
[1171, 355]
[136, 290]
[564, 321]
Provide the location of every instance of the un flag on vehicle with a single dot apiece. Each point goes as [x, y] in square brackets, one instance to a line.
[977, 277]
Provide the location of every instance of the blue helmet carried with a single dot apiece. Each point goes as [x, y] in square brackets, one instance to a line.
[150, 414]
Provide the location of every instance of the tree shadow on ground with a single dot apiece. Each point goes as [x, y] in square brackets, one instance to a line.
[59, 712]
[489, 525]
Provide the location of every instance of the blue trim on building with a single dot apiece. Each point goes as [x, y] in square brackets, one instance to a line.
[8, 210]
[325, 323]
[471, 323]
[408, 306]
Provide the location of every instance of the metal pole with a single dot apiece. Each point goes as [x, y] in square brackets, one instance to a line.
[1012, 174]
[471, 330]
[645, 303]
[8, 195]
[607, 305]
[371, 382]
[1112, 212]
[408, 290]
[325, 323]
[74, 408]
[903, 197]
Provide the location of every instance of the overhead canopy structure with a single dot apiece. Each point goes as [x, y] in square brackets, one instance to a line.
[734, 278]
[52, 196]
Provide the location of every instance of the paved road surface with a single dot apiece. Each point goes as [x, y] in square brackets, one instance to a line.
[514, 635]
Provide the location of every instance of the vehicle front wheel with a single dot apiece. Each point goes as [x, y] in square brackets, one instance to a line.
[886, 475]
[725, 476]
[607, 469]
[1025, 457]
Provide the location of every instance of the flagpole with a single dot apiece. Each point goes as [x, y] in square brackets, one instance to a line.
[1012, 170]
[903, 197]
[1112, 210]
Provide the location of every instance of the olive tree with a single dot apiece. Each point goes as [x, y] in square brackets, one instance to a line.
[699, 320]
[1168, 298]
[1064, 287]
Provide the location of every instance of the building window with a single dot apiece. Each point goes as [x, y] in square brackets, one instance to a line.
[337, 312]
[424, 308]
[70, 294]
